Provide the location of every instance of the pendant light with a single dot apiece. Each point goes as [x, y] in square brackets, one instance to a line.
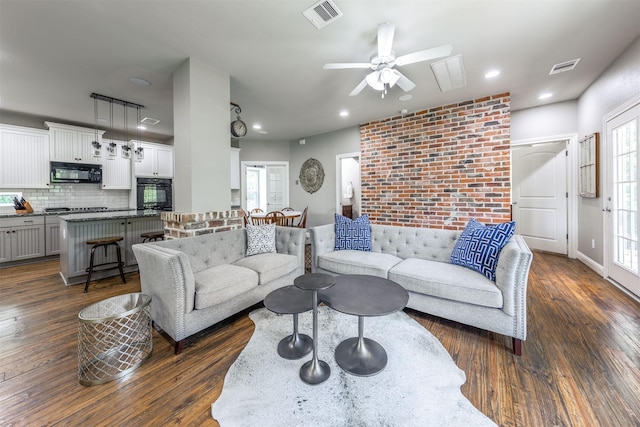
[139, 148]
[111, 147]
[125, 151]
[97, 147]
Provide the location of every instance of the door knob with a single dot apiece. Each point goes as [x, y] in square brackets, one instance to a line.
[606, 210]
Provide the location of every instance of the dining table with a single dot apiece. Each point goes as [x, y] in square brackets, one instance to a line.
[289, 215]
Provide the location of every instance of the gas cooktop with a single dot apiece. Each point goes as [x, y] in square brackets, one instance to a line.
[88, 209]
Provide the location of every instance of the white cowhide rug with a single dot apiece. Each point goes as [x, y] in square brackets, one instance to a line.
[419, 387]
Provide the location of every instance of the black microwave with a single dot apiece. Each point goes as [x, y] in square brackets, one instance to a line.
[75, 173]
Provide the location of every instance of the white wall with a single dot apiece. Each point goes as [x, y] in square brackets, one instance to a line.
[618, 84]
[555, 119]
[268, 151]
[324, 148]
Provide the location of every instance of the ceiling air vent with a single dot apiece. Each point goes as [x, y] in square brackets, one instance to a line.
[449, 73]
[149, 121]
[564, 66]
[322, 13]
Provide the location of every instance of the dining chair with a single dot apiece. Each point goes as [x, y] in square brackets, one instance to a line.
[261, 220]
[256, 210]
[303, 218]
[245, 217]
[290, 219]
[276, 217]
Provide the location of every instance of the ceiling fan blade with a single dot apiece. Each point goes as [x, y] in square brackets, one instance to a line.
[359, 88]
[339, 66]
[404, 83]
[385, 39]
[425, 55]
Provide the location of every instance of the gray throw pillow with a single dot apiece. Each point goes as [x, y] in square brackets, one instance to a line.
[261, 239]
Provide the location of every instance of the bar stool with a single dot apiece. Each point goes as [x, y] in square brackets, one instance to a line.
[152, 236]
[104, 242]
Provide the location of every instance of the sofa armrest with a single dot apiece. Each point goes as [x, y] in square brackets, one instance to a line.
[291, 240]
[166, 276]
[323, 240]
[512, 274]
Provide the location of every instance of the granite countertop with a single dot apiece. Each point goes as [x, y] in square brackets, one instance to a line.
[12, 214]
[97, 216]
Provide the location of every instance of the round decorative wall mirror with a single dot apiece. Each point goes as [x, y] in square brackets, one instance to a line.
[311, 175]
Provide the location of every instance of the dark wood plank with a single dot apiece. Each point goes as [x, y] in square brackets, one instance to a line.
[580, 364]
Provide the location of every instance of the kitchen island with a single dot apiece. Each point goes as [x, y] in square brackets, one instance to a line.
[77, 228]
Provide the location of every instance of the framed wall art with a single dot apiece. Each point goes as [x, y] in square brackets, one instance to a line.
[589, 166]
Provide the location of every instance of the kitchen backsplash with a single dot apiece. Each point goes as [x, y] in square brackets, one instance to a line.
[71, 196]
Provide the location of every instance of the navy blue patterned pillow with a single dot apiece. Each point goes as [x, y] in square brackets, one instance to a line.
[478, 246]
[353, 234]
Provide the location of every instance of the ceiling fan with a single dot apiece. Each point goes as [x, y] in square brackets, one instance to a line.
[384, 76]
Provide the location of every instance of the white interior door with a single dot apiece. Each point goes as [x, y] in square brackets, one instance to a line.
[276, 187]
[540, 195]
[621, 195]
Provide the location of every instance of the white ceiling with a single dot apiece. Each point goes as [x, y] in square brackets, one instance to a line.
[55, 53]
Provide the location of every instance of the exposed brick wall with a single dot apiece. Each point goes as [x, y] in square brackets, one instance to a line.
[184, 224]
[439, 167]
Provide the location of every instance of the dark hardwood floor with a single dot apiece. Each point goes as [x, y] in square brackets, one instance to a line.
[580, 364]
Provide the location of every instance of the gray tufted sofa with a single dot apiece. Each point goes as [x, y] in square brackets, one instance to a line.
[195, 282]
[418, 259]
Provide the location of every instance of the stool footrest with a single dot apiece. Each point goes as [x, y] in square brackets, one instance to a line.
[104, 242]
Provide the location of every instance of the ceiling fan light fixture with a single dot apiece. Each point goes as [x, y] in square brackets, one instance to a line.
[389, 76]
[373, 80]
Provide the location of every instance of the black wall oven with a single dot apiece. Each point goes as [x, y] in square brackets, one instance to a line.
[154, 193]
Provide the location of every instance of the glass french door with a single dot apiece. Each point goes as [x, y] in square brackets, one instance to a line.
[621, 201]
[265, 185]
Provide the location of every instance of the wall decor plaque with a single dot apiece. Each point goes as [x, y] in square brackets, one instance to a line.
[311, 175]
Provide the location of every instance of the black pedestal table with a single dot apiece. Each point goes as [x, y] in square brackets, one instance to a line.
[314, 371]
[363, 296]
[291, 300]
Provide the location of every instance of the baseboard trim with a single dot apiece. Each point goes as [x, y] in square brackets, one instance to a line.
[598, 268]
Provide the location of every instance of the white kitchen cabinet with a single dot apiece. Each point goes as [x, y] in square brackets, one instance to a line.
[24, 157]
[23, 238]
[52, 235]
[116, 172]
[157, 162]
[73, 144]
[235, 168]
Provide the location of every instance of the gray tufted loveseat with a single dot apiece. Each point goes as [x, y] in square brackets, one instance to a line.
[418, 259]
[195, 282]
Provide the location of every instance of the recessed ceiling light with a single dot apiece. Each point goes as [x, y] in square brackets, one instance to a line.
[545, 95]
[491, 74]
[142, 127]
[257, 126]
[405, 97]
[344, 113]
[139, 81]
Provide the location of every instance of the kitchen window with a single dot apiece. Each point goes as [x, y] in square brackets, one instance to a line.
[6, 199]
